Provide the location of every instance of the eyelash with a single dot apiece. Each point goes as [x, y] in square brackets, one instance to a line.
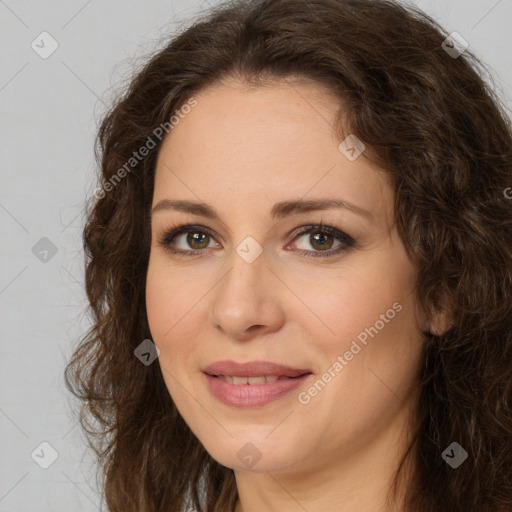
[347, 241]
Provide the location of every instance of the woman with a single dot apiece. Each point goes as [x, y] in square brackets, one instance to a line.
[299, 264]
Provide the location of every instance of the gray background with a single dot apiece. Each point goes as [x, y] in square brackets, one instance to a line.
[49, 112]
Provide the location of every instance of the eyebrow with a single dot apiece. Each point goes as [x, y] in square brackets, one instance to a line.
[279, 210]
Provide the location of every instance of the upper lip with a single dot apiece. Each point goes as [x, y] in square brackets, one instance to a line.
[253, 369]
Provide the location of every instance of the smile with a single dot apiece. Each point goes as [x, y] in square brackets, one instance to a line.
[253, 381]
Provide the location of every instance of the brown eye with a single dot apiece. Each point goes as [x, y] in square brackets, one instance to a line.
[186, 240]
[322, 239]
[196, 239]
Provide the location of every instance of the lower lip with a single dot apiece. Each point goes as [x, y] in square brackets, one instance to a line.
[252, 395]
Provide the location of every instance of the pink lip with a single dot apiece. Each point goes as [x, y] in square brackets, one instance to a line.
[253, 369]
[252, 395]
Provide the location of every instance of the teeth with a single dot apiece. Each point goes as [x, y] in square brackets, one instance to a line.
[255, 381]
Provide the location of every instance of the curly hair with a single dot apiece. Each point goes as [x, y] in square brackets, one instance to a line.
[430, 120]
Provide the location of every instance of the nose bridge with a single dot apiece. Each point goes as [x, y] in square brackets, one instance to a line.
[247, 259]
[245, 279]
[245, 297]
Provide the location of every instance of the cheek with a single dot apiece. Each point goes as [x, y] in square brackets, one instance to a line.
[168, 307]
[160, 306]
[167, 311]
[356, 303]
[379, 357]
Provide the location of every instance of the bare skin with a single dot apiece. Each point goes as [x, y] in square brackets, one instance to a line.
[241, 151]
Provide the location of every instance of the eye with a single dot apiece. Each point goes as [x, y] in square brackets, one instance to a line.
[195, 237]
[322, 239]
[195, 240]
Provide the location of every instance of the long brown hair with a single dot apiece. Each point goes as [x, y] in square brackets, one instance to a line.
[428, 118]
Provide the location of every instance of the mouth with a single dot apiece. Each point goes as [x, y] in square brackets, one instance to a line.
[253, 369]
[253, 381]
[252, 384]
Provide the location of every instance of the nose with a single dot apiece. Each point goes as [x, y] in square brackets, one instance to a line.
[245, 303]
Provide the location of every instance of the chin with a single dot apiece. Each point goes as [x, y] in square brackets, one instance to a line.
[253, 455]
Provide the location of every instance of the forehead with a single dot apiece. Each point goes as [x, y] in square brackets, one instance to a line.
[243, 145]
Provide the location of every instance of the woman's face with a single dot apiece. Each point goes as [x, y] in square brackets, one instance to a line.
[336, 308]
